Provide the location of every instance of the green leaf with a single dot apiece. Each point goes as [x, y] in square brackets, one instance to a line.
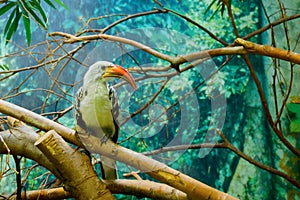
[222, 9]
[219, 5]
[50, 4]
[12, 29]
[29, 8]
[61, 4]
[4, 67]
[8, 23]
[5, 8]
[40, 9]
[26, 22]
[295, 126]
[209, 6]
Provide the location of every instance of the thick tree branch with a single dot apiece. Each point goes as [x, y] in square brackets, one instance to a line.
[54, 193]
[193, 188]
[20, 140]
[140, 188]
[269, 51]
[145, 188]
[75, 168]
[38, 121]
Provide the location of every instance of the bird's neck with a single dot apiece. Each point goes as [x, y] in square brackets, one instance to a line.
[95, 84]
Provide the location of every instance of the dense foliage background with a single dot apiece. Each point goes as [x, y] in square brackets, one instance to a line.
[223, 94]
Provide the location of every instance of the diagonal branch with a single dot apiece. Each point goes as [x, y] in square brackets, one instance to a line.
[193, 188]
[148, 189]
[267, 110]
[269, 51]
[245, 48]
[272, 25]
[256, 163]
[21, 139]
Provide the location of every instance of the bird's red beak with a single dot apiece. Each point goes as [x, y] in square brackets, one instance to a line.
[120, 72]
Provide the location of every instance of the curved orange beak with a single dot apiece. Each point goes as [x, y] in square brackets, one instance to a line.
[120, 72]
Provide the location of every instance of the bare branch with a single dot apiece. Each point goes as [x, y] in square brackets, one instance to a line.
[266, 107]
[193, 188]
[143, 188]
[199, 26]
[271, 25]
[269, 51]
[20, 141]
[155, 11]
[82, 182]
[246, 48]
[37, 121]
[73, 39]
[185, 147]
[256, 163]
[55, 193]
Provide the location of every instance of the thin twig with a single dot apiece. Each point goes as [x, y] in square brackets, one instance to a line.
[184, 147]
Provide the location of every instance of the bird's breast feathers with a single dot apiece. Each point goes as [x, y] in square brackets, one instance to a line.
[96, 112]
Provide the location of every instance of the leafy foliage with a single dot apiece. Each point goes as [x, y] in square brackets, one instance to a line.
[4, 67]
[27, 10]
[294, 114]
[220, 6]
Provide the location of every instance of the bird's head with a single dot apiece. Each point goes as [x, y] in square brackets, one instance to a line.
[105, 70]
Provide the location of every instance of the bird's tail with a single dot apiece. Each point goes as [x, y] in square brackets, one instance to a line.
[108, 168]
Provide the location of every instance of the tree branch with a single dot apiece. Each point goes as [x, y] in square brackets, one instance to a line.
[256, 163]
[246, 48]
[72, 39]
[20, 140]
[269, 51]
[145, 188]
[54, 193]
[198, 25]
[138, 188]
[267, 110]
[193, 188]
[271, 25]
[82, 182]
[38, 121]
[184, 147]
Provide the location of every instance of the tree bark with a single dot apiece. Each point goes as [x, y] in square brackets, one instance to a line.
[75, 168]
[193, 188]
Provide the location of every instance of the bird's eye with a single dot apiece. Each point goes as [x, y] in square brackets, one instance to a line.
[103, 68]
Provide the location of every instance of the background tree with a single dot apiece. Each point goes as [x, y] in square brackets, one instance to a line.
[205, 99]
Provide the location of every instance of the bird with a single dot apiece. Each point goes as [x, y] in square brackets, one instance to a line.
[97, 107]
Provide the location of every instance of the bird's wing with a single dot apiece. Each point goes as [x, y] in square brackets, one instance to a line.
[108, 166]
[80, 124]
[115, 112]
